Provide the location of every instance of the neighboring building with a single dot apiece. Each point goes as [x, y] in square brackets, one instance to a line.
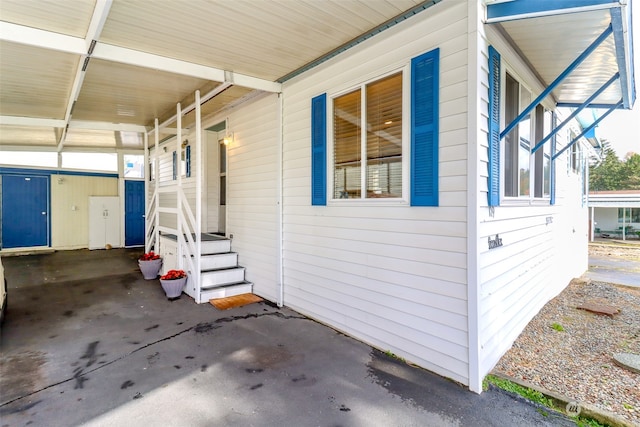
[414, 188]
[615, 214]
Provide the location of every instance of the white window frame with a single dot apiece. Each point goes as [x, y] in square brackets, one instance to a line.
[529, 199]
[406, 142]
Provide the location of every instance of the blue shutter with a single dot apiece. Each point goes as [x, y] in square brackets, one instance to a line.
[188, 160]
[175, 166]
[494, 127]
[424, 128]
[319, 150]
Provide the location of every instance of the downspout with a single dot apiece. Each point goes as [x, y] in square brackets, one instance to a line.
[280, 200]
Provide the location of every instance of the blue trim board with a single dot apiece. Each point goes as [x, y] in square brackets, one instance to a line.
[576, 112]
[49, 172]
[519, 9]
[599, 106]
[587, 130]
[624, 60]
[558, 80]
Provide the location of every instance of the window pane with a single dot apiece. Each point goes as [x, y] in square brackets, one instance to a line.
[347, 145]
[512, 95]
[223, 158]
[133, 166]
[548, 127]
[384, 137]
[30, 158]
[524, 149]
[91, 161]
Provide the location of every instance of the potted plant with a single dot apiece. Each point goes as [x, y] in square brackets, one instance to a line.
[173, 282]
[150, 264]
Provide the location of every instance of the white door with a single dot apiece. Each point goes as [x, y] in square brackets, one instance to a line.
[104, 222]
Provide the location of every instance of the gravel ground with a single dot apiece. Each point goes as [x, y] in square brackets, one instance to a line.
[577, 361]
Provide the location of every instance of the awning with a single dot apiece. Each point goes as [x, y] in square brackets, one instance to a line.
[582, 52]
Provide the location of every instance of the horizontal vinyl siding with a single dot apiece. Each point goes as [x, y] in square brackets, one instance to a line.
[392, 276]
[252, 192]
[537, 259]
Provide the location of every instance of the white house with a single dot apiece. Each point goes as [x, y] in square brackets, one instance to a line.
[614, 214]
[410, 184]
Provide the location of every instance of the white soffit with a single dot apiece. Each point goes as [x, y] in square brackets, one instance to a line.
[551, 43]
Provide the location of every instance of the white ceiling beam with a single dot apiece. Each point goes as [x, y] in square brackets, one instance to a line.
[122, 127]
[31, 121]
[100, 12]
[148, 60]
[41, 38]
[99, 17]
[60, 42]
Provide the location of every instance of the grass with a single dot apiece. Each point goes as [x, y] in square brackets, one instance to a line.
[394, 356]
[536, 397]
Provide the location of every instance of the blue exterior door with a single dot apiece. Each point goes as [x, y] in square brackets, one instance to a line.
[25, 211]
[133, 213]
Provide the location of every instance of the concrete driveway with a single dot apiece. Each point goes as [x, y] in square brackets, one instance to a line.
[614, 270]
[88, 342]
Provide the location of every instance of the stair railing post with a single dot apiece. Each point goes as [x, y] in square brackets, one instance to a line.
[198, 177]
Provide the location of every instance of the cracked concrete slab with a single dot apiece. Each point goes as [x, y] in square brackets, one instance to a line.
[96, 345]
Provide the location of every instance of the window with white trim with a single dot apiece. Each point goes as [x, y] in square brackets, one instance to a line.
[377, 105]
[379, 140]
[513, 171]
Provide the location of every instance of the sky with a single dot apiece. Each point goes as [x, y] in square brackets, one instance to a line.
[622, 127]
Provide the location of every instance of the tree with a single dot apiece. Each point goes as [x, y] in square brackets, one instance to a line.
[630, 173]
[606, 174]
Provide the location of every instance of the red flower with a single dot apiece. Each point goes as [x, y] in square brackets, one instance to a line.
[173, 275]
[149, 256]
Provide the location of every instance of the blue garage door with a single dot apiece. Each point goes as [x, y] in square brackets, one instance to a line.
[25, 211]
[133, 213]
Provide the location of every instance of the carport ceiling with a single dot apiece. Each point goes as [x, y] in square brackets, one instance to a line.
[83, 73]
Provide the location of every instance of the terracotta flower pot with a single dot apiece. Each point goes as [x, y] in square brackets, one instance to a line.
[173, 287]
[151, 268]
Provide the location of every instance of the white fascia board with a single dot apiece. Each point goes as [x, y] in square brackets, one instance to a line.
[90, 125]
[31, 121]
[41, 38]
[147, 60]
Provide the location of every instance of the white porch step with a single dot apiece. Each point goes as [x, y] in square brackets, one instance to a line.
[215, 278]
[215, 246]
[216, 261]
[226, 291]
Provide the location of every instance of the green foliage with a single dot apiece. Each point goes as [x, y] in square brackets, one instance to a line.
[536, 397]
[612, 173]
[392, 355]
[558, 327]
[587, 422]
[532, 395]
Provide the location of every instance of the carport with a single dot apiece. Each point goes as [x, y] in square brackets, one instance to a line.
[103, 347]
